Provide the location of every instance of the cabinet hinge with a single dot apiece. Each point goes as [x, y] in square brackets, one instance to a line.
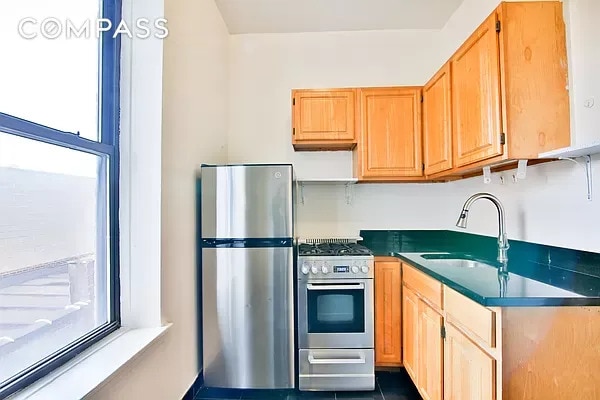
[293, 102]
[443, 332]
[503, 138]
[423, 167]
[422, 99]
[498, 26]
[293, 131]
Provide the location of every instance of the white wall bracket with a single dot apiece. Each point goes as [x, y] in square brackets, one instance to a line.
[587, 165]
[349, 193]
[487, 175]
[522, 169]
[301, 187]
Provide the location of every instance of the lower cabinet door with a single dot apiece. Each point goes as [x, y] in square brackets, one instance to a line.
[431, 356]
[410, 332]
[468, 371]
[388, 314]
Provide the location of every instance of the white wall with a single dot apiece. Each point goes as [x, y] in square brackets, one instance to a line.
[549, 207]
[194, 132]
[584, 53]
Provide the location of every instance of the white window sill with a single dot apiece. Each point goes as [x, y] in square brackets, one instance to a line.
[90, 369]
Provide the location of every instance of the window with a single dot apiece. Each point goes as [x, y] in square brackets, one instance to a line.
[59, 170]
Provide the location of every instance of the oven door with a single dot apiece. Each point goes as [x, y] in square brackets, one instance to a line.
[335, 314]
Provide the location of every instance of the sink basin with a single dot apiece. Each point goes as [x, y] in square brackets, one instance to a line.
[454, 260]
[445, 256]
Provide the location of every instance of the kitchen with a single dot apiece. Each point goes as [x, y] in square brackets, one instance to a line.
[342, 193]
[226, 98]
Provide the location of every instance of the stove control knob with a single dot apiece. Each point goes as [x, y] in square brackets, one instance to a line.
[305, 269]
[364, 269]
[355, 269]
[325, 270]
[314, 270]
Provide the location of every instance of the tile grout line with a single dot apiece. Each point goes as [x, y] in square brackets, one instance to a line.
[380, 390]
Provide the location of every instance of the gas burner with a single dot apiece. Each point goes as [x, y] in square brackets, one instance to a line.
[333, 249]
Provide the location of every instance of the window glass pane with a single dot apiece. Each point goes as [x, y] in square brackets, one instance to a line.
[53, 82]
[53, 249]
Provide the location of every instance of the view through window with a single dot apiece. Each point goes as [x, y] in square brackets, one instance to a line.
[58, 183]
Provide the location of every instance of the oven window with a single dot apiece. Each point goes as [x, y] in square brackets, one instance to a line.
[336, 310]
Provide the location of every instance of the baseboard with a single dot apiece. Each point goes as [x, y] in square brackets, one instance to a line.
[195, 388]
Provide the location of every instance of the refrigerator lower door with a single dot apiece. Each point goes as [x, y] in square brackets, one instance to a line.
[248, 317]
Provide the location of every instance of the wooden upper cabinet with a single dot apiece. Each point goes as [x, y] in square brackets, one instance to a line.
[476, 105]
[437, 123]
[469, 373]
[389, 148]
[388, 313]
[323, 119]
[536, 110]
[410, 333]
[509, 86]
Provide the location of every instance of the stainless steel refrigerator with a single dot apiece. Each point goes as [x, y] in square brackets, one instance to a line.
[247, 239]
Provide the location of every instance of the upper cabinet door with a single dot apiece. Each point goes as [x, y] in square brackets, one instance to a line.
[390, 145]
[437, 123]
[323, 119]
[476, 100]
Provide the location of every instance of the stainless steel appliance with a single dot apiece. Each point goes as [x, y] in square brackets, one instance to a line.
[247, 217]
[335, 316]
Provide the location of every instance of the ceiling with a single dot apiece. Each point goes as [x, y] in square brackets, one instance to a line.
[281, 16]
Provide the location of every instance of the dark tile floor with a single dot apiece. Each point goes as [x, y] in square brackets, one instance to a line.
[389, 386]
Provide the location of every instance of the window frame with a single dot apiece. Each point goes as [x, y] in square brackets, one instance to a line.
[107, 147]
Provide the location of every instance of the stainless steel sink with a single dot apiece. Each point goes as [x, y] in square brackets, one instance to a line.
[454, 260]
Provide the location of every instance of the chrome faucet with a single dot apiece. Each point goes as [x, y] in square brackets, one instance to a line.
[502, 238]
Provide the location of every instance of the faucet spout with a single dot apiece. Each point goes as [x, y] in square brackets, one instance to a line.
[503, 245]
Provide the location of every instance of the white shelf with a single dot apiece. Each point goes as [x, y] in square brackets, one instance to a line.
[347, 182]
[329, 181]
[574, 151]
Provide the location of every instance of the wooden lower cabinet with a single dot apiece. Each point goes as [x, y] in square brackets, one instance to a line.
[457, 349]
[423, 344]
[469, 373]
[410, 332]
[430, 353]
[388, 312]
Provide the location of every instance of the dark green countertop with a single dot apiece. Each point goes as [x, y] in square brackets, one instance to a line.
[538, 275]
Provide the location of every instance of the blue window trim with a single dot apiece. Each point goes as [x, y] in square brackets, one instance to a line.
[107, 147]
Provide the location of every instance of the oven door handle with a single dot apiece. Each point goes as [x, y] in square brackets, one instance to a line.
[313, 360]
[310, 286]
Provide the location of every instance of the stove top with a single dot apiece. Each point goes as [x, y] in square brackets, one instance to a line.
[333, 249]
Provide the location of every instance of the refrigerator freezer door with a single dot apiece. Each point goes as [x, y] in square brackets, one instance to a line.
[247, 201]
[248, 318]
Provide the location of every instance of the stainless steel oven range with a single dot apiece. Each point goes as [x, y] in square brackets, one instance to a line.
[335, 316]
